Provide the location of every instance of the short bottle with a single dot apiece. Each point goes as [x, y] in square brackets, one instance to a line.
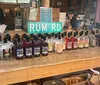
[19, 50]
[36, 47]
[75, 40]
[69, 41]
[5, 52]
[28, 48]
[86, 40]
[44, 47]
[81, 40]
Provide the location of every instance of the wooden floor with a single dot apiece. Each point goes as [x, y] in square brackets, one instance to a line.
[13, 71]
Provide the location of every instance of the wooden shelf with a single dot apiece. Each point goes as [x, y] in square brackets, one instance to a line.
[13, 71]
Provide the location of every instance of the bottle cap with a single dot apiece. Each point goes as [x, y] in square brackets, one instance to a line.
[69, 34]
[92, 32]
[62, 35]
[59, 37]
[55, 35]
[5, 40]
[17, 36]
[49, 35]
[86, 33]
[18, 39]
[65, 33]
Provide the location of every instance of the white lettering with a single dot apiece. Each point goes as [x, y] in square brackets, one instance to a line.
[31, 27]
[38, 27]
[58, 27]
[53, 27]
[44, 27]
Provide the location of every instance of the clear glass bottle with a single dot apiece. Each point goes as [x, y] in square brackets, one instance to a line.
[92, 39]
[86, 40]
[81, 40]
[5, 52]
[59, 45]
[50, 43]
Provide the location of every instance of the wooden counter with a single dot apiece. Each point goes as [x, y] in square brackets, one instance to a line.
[13, 71]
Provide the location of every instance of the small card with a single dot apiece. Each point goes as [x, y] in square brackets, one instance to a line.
[2, 28]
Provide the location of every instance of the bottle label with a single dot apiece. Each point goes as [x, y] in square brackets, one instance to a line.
[75, 44]
[36, 50]
[28, 51]
[50, 46]
[94, 43]
[59, 48]
[44, 50]
[69, 45]
[64, 45]
[18, 22]
[20, 53]
[6, 53]
[81, 43]
[86, 42]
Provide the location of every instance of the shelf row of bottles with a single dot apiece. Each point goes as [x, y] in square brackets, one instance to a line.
[28, 46]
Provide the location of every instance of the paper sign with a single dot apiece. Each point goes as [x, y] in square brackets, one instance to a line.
[33, 14]
[45, 14]
[2, 28]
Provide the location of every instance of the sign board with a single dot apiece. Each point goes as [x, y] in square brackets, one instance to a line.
[44, 27]
[45, 14]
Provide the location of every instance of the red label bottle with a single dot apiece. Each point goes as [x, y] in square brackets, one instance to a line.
[69, 41]
[75, 41]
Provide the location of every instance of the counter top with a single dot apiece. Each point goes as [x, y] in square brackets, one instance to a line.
[12, 71]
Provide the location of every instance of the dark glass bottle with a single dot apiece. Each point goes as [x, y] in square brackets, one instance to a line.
[44, 47]
[36, 47]
[19, 51]
[69, 41]
[28, 48]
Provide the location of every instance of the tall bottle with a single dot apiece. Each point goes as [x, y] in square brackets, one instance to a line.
[5, 50]
[50, 43]
[92, 39]
[18, 21]
[75, 40]
[97, 35]
[36, 47]
[19, 51]
[55, 44]
[59, 45]
[63, 41]
[69, 41]
[28, 48]
[86, 40]
[81, 40]
[44, 47]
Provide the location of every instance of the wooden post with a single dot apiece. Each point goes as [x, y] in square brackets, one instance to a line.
[46, 3]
